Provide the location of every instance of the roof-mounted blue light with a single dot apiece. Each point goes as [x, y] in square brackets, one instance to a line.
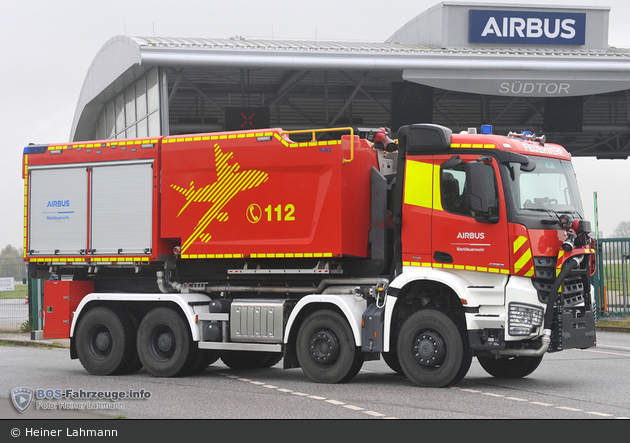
[35, 149]
[486, 129]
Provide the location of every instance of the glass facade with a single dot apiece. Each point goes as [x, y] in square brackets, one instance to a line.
[134, 113]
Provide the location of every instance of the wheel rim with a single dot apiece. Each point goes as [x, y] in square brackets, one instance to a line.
[162, 343]
[324, 347]
[429, 349]
[100, 345]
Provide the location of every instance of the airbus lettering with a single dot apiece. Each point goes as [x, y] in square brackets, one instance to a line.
[471, 235]
[57, 203]
[527, 27]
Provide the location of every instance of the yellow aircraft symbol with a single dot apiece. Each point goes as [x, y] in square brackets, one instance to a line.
[229, 183]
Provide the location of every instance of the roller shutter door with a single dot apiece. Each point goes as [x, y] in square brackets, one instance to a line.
[57, 211]
[122, 209]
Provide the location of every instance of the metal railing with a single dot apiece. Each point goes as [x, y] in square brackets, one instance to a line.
[14, 306]
[611, 277]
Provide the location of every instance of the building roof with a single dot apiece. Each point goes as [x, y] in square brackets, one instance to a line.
[123, 59]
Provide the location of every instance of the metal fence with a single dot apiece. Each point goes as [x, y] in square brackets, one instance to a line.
[611, 277]
[14, 306]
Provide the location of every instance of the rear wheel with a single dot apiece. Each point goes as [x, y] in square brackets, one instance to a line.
[326, 349]
[432, 349]
[509, 367]
[106, 342]
[165, 345]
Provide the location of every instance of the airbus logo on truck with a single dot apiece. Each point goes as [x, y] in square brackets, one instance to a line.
[57, 203]
[527, 27]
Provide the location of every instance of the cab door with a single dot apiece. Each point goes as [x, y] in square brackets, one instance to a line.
[460, 239]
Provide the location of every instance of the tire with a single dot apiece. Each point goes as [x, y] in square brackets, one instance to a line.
[135, 365]
[391, 358]
[106, 342]
[165, 345]
[238, 360]
[509, 367]
[205, 358]
[433, 350]
[326, 350]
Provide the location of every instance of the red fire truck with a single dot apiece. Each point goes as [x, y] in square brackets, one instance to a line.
[320, 248]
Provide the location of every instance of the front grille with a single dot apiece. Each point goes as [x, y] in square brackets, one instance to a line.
[545, 273]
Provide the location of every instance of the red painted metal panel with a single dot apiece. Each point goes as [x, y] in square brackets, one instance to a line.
[61, 299]
[238, 195]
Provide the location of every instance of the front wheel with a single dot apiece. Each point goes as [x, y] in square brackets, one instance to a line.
[326, 350]
[509, 367]
[432, 349]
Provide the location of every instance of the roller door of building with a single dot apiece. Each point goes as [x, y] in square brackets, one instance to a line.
[57, 216]
[121, 219]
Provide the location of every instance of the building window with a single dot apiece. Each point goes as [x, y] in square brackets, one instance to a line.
[134, 113]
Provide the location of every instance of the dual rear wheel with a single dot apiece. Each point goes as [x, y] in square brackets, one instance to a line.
[109, 342]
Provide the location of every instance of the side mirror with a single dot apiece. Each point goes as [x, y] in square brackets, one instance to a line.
[477, 189]
[477, 192]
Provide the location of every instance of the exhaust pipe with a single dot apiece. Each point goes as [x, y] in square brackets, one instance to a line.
[546, 341]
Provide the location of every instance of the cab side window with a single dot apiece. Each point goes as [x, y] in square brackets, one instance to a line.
[453, 195]
[453, 190]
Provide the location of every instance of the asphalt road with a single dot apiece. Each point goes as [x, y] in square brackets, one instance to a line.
[570, 385]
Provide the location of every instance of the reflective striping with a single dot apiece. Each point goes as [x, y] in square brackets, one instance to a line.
[474, 146]
[521, 262]
[25, 247]
[456, 267]
[437, 189]
[524, 263]
[305, 144]
[559, 262]
[520, 241]
[262, 255]
[194, 256]
[217, 137]
[88, 260]
[418, 184]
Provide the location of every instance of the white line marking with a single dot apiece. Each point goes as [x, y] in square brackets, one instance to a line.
[335, 402]
[601, 414]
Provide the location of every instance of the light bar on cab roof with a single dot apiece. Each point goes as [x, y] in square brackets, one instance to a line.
[35, 149]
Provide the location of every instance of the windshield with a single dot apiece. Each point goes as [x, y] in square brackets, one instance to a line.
[551, 186]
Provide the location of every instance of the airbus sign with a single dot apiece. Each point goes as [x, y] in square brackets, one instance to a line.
[527, 27]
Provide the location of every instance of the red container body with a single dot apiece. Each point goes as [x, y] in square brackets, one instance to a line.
[262, 195]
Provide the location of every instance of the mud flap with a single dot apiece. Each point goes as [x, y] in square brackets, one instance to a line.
[578, 328]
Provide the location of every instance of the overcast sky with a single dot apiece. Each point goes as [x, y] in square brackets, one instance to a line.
[47, 47]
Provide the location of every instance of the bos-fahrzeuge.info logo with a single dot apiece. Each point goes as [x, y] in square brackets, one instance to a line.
[527, 27]
[23, 398]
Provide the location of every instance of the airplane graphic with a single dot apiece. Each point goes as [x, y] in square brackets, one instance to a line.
[229, 183]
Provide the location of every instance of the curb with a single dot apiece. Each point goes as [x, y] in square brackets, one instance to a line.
[34, 343]
[613, 328]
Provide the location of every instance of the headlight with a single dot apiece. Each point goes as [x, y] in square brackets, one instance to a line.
[523, 319]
